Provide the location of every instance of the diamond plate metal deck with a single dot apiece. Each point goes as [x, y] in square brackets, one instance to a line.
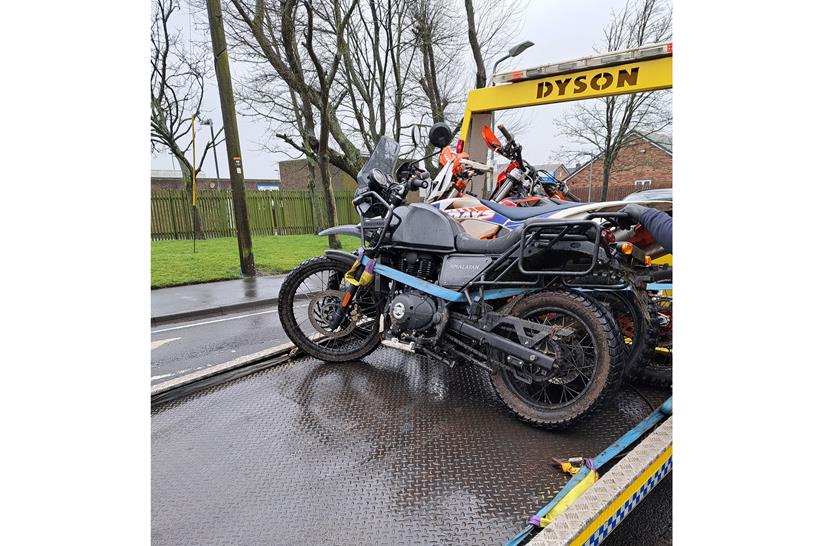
[393, 450]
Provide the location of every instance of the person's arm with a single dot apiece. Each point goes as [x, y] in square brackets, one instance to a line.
[659, 224]
[656, 222]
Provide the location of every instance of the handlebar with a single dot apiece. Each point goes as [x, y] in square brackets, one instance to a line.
[608, 215]
[417, 183]
[622, 219]
[476, 166]
[505, 132]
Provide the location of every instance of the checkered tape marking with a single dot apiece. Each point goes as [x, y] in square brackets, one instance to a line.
[601, 533]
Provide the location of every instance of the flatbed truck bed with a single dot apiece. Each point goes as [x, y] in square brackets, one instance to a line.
[396, 449]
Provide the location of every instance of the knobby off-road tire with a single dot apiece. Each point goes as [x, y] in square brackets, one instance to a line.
[654, 375]
[360, 342]
[655, 371]
[604, 378]
[640, 352]
[628, 309]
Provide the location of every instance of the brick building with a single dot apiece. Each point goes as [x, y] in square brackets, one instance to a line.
[643, 163]
[558, 170]
[294, 176]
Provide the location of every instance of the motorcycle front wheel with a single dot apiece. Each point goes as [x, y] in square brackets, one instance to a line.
[308, 300]
[588, 353]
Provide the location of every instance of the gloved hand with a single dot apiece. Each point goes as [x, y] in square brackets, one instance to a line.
[635, 211]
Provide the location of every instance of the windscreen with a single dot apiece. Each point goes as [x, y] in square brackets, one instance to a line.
[384, 158]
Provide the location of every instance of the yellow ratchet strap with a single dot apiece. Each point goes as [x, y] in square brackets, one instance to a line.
[365, 278]
[349, 276]
[570, 497]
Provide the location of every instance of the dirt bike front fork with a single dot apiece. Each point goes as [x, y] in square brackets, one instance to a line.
[353, 284]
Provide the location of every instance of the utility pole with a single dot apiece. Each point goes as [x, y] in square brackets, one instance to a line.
[226, 102]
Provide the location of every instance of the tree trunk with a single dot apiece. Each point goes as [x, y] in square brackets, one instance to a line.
[318, 215]
[324, 173]
[472, 34]
[187, 181]
[332, 216]
[605, 179]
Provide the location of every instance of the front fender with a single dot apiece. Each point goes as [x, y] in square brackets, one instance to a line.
[341, 256]
[350, 229]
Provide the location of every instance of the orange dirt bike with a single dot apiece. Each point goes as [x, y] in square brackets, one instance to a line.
[520, 184]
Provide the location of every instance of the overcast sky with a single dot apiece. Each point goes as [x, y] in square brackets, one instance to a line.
[562, 30]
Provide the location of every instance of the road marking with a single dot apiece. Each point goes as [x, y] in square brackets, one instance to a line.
[213, 321]
[178, 372]
[221, 320]
[153, 377]
[207, 371]
[160, 342]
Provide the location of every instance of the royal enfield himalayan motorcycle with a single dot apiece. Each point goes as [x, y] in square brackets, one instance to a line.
[553, 353]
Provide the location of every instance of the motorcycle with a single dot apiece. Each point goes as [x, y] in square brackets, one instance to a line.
[520, 184]
[553, 352]
[519, 197]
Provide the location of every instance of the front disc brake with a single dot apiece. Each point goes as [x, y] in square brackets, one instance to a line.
[321, 309]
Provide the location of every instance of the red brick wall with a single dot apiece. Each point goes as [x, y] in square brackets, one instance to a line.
[637, 160]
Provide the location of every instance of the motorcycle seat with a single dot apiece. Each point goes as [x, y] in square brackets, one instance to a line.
[468, 245]
[518, 214]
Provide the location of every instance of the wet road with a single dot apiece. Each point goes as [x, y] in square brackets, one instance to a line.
[184, 347]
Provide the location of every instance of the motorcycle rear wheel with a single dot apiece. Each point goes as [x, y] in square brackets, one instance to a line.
[590, 361]
[657, 371]
[640, 335]
[307, 300]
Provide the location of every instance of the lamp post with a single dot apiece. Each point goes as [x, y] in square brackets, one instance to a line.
[210, 123]
[514, 51]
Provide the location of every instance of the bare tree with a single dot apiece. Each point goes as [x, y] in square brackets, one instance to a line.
[440, 39]
[490, 24]
[377, 56]
[401, 63]
[259, 25]
[601, 126]
[284, 34]
[326, 75]
[177, 89]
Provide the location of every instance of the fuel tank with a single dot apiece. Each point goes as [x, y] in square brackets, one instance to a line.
[420, 225]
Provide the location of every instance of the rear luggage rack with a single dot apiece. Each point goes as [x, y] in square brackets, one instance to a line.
[542, 235]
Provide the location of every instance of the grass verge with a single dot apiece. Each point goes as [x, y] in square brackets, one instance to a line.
[174, 263]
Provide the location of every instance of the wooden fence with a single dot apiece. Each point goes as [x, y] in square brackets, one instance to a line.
[269, 213]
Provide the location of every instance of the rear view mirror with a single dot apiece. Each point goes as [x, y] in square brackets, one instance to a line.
[416, 135]
[440, 135]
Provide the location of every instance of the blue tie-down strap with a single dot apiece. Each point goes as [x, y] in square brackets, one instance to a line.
[439, 291]
[659, 286]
